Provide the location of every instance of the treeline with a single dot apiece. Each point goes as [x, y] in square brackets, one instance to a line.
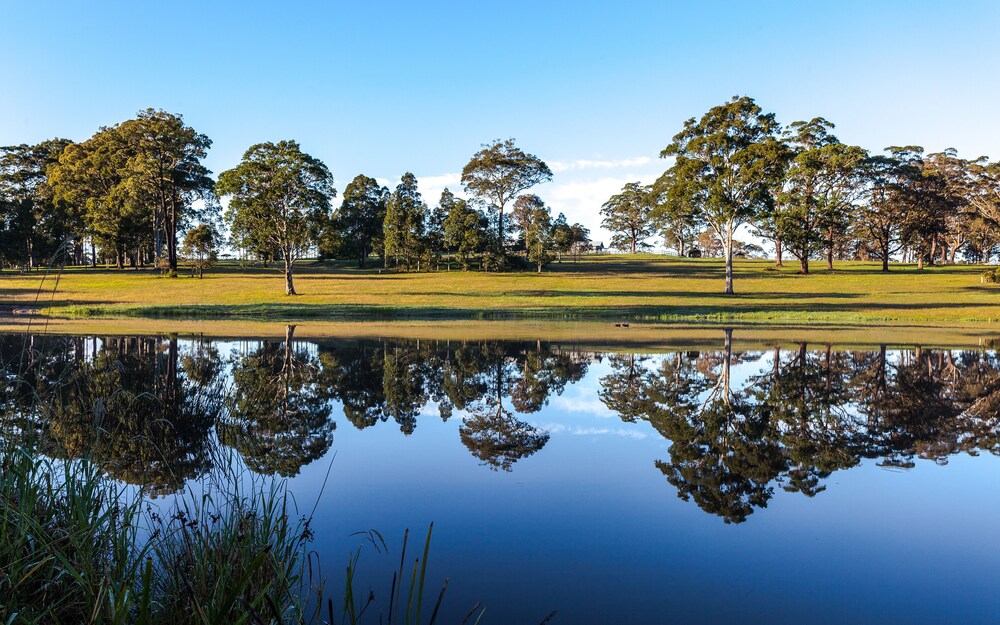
[127, 194]
[809, 194]
[138, 194]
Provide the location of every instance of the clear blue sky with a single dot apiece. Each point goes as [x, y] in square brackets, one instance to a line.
[595, 88]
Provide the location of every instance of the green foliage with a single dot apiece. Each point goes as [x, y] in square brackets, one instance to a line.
[201, 248]
[538, 236]
[279, 199]
[627, 216]
[33, 225]
[405, 224]
[356, 228]
[726, 164]
[135, 184]
[820, 187]
[500, 172]
[465, 232]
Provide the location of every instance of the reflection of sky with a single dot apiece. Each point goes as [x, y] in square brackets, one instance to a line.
[589, 527]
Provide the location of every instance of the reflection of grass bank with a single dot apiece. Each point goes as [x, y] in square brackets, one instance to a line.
[645, 287]
[595, 335]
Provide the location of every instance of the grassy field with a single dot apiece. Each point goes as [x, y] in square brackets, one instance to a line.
[606, 288]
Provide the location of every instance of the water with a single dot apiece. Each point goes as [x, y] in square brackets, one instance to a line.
[790, 484]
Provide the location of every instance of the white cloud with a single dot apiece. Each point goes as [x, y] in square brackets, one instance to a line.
[559, 428]
[582, 405]
[638, 161]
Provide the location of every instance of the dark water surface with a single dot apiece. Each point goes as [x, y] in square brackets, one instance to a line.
[804, 483]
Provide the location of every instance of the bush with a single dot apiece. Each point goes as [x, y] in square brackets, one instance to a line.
[989, 277]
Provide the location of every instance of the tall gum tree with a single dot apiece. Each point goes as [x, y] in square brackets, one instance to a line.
[819, 190]
[500, 172]
[726, 165]
[279, 195]
[627, 215]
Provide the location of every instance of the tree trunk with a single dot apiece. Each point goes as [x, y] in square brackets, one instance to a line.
[728, 244]
[804, 264]
[829, 251]
[778, 252]
[289, 284]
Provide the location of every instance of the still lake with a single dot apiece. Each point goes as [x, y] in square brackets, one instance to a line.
[721, 482]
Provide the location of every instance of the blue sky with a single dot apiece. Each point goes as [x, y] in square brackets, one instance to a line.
[595, 88]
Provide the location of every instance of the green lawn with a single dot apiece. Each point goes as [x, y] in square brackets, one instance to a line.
[606, 287]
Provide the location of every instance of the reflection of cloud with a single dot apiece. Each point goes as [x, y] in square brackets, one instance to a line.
[591, 406]
[638, 161]
[559, 428]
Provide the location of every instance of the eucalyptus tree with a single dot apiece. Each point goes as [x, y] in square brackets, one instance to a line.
[278, 196]
[90, 177]
[879, 219]
[956, 191]
[627, 216]
[33, 225]
[726, 164]
[359, 219]
[405, 223]
[524, 205]
[201, 248]
[674, 216]
[924, 191]
[819, 190]
[498, 173]
[538, 236]
[435, 237]
[465, 232]
[163, 166]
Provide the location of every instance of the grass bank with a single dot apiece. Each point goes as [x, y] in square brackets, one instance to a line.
[643, 287]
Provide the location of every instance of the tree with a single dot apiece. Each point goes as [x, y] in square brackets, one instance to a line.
[435, 226]
[33, 225]
[627, 216]
[201, 246]
[883, 211]
[405, 218]
[726, 164]
[500, 172]
[538, 236]
[163, 166]
[90, 179]
[923, 190]
[820, 187]
[464, 232]
[280, 196]
[524, 205]
[673, 216]
[359, 220]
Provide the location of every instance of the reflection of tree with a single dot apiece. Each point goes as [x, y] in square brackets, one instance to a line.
[491, 432]
[278, 416]
[804, 417]
[499, 439]
[806, 400]
[129, 409]
[724, 454]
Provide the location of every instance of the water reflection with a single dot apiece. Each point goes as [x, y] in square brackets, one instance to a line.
[737, 425]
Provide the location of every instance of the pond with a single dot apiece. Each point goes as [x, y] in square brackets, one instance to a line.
[723, 481]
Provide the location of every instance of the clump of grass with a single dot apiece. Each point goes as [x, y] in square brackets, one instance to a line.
[68, 544]
[77, 547]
